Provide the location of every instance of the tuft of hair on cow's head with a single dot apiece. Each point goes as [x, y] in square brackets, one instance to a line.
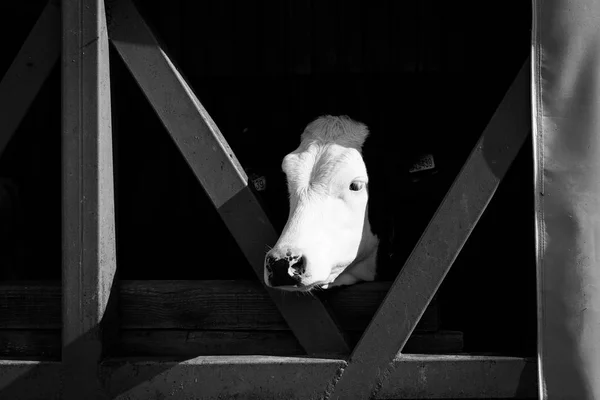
[327, 240]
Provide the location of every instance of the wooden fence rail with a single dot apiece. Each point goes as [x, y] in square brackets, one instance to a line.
[193, 318]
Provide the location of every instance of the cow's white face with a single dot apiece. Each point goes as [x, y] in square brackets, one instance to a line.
[327, 240]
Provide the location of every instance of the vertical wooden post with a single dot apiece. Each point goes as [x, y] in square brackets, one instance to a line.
[89, 250]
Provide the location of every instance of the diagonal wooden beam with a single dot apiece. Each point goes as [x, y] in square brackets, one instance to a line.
[89, 247]
[29, 70]
[216, 167]
[440, 244]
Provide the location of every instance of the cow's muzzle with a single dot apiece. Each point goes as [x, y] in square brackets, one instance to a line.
[284, 269]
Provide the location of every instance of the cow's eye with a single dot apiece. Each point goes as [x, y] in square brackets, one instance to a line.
[357, 186]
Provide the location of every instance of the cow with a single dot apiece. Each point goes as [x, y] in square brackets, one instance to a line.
[327, 240]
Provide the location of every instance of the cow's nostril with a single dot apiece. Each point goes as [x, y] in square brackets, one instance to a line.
[280, 272]
[299, 266]
[270, 261]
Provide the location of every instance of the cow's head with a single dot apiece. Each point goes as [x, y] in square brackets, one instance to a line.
[327, 240]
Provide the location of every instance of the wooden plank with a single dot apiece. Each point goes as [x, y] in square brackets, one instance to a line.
[217, 169]
[218, 377]
[440, 244]
[188, 343]
[263, 377]
[241, 305]
[30, 305]
[354, 306]
[46, 343]
[214, 377]
[454, 377]
[29, 70]
[440, 342]
[30, 380]
[89, 253]
[218, 305]
[39, 344]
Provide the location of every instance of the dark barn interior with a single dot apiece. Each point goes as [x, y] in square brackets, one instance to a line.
[424, 76]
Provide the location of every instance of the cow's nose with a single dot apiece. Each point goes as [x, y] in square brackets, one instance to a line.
[286, 270]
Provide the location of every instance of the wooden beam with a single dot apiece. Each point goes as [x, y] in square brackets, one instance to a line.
[206, 304]
[217, 169]
[439, 245]
[29, 380]
[194, 343]
[45, 344]
[218, 377]
[31, 344]
[30, 305]
[463, 376]
[237, 305]
[89, 252]
[213, 377]
[29, 70]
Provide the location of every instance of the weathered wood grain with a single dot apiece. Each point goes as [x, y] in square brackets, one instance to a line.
[260, 377]
[30, 305]
[88, 223]
[460, 376]
[249, 377]
[264, 377]
[46, 343]
[24, 343]
[183, 343]
[282, 343]
[218, 305]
